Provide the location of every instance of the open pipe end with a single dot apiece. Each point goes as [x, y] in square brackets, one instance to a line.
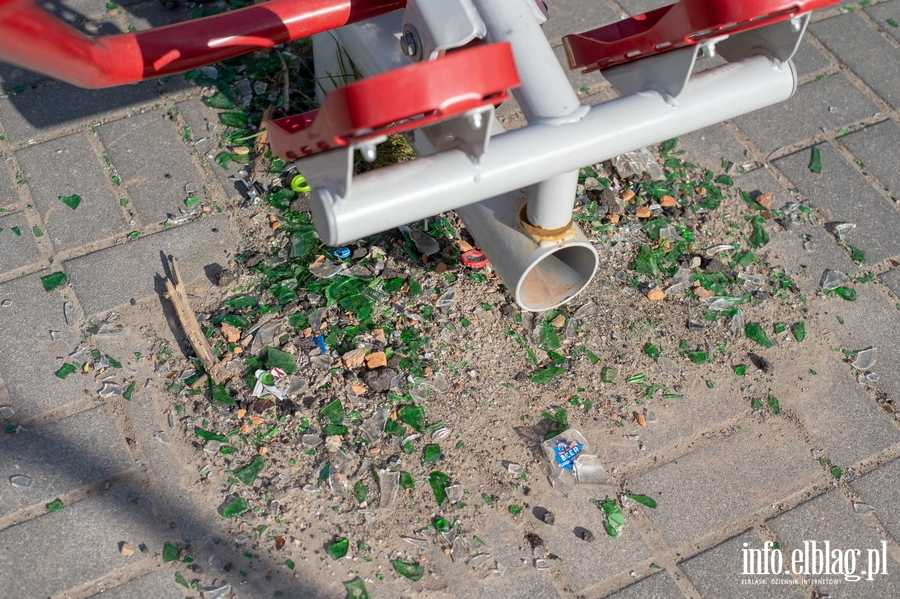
[557, 276]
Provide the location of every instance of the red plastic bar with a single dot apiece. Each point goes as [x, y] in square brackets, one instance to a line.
[432, 91]
[33, 39]
[676, 26]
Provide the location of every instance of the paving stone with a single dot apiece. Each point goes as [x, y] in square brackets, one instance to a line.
[847, 197]
[61, 457]
[12, 77]
[8, 195]
[576, 16]
[892, 279]
[77, 544]
[578, 559]
[875, 146]
[17, 251]
[111, 277]
[28, 356]
[154, 164]
[657, 586]
[678, 421]
[830, 517]
[860, 330]
[204, 124]
[707, 147]
[883, 11]
[717, 572]
[64, 167]
[879, 489]
[829, 103]
[835, 409]
[761, 180]
[159, 585]
[711, 487]
[861, 48]
[58, 107]
[807, 59]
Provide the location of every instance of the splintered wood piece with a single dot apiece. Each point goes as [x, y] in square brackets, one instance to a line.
[178, 297]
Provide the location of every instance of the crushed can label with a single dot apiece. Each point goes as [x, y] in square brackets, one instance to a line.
[566, 451]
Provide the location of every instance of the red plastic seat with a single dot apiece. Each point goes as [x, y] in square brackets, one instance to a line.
[685, 23]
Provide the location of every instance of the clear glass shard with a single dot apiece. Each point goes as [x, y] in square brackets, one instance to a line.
[865, 359]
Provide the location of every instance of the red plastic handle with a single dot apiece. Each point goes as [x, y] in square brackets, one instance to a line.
[34, 39]
[676, 26]
[380, 105]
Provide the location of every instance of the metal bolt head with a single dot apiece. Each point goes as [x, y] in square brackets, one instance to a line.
[409, 42]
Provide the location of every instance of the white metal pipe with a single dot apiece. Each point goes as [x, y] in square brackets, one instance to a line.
[402, 193]
[550, 202]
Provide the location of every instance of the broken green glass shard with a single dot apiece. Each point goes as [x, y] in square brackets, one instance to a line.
[647, 261]
[439, 483]
[643, 500]
[442, 525]
[857, 255]
[747, 258]
[393, 427]
[773, 405]
[289, 563]
[275, 358]
[129, 393]
[413, 571]
[37, 231]
[815, 161]
[55, 505]
[758, 235]
[431, 454]
[179, 578]
[615, 519]
[836, 471]
[415, 288]
[549, 338]
[724, 180]
[65, 370]
[338, 549]
[71, 201]
[755, 332]
[608, 374]
[846, 293]
[336, 430]
[210, 436]
[740, 369]
[16, 231]
[755, 404]
[233, 507]
[546, 375]
[242, 301]
[191, 201]
[798, 329]
[334, 411]
[414, 416]
[406, 481]
[221, 100]
[356, 589]
[514, 509]
[53, 281]
[220, 394]
[235, 320]
[652, 351]
[248, 473]
[236, 120]
[170, 552]
[698, 357]
[113, 363]
[360, 491]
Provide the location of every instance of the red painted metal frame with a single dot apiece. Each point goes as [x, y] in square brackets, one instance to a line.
[34, 39]
[380, 105]
[676, 26]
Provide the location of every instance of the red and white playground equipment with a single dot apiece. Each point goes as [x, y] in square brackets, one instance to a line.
[434, 70]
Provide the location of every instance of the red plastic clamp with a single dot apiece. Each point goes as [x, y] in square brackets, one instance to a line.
[676, 26]
[399, 100]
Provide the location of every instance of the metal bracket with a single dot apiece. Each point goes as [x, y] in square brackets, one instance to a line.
[430, 27]
[334, 169]
[469, 132]
[779, 40]
[667, 72]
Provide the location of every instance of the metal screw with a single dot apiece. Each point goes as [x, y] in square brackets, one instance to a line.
[409, 43]
[795, 24]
